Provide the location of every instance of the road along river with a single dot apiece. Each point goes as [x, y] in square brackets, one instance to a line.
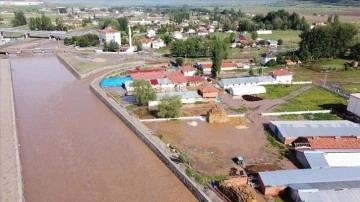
[73, 148]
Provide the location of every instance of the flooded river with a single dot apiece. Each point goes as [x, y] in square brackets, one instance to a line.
[72, 146]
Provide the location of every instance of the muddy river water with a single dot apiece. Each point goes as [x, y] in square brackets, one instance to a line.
[73, 148]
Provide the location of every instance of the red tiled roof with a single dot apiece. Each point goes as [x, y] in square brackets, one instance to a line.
[154, 82]
[177, 77]
[207, 89]
[206, 66]
[242, 38]
[334, 143]
[149, 75]
[145, 41]
[145, 71]
[187, 68]
[289, 62]
[228, 64]
[109, 30]
[281, 72]
[195, 79]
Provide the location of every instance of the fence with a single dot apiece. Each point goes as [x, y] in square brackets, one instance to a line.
[336, 91]
[302, 82]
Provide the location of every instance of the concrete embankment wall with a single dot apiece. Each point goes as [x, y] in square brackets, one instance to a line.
[11, 181]
[145, 135]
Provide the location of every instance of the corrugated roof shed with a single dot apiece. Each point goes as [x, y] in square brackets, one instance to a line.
[281, 178]
[316, 159]
[182, 94]
[347, 195]
[326, 185]
[294, 129]
[246, 80]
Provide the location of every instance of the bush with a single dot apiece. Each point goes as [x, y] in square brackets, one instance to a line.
[271, 63]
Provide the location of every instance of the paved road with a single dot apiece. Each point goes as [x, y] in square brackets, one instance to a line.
[11, 188]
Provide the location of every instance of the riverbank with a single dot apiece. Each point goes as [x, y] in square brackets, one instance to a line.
[155, 144]
[11, 183]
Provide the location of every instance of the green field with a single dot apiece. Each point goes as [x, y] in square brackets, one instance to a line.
[351, 88]
[314, 99]
[279, 91]
[290, 37]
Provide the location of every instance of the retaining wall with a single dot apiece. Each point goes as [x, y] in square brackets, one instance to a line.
[145, 135]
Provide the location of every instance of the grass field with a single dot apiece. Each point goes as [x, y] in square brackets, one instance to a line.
[290, 37]
[351, 88]
[279, 91]
[294, 117]
[314, 99]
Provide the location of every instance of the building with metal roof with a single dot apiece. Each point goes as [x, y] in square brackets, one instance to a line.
[246, 81]
[250, 90]
[354, 104]
[185, 96]
[288, 131]
[273, 182]
[334, 191]
[321, 159]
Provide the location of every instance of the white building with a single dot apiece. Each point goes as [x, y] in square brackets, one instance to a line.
[250, 90]
[246, 81]
[272, 43]
[151, 33]
[266, 58]
[282, 76]
[109, 35]
[188, 70]
[186, 97]
[354, 104]
[158, 43]
[264, 32]
[177, 35]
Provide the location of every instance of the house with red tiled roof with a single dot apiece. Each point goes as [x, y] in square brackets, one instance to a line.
[145, 42]
[178, 79]
[241, 39]
[282, 76]
[136, 71]
[208, 92]
[195, 80]
[109, 34]
[188, 70]
[225, 66]
[290, 62]
[148, 75]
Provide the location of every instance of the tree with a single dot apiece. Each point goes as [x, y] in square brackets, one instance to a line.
[180, 61]
[280, 59]
[143, 92]
[139, 47]
[217, 56]
[280, 42]
[355, 52]
[169, 107]
[123, 24]
[254, 35]
[113, 46]
[19, 19]
[45, 23]
[271, 63]
[251, 72]
[167, 39]
[260, 70]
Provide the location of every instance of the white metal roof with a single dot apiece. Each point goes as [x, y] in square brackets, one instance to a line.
[286, 177]
[316, 159]
[326, 185]
[249, 90]
[338, 128]
[348, 195]
[182, 94]
[246, 80]
[357, 95]
[342, 159]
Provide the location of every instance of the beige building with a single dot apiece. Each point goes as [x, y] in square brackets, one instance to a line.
[109, 35]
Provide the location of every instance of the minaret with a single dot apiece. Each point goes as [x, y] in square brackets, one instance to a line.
[130, 39]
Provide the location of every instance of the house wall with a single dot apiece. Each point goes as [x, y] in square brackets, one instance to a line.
[287, 140]
[270, 191]
[302, 159]
[189, 73]
[209, 95]
[108, 37]
[284, 79]
[354, 105]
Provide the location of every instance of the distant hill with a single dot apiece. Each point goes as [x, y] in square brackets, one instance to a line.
[337, 2]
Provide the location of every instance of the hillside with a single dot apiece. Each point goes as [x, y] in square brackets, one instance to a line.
[337, 2]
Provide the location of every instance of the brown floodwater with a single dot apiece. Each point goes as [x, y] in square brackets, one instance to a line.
[73, 148]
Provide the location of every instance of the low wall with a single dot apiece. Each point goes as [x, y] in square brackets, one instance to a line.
[70, 68]
[296, 112]
[301, 82]
[145, 135]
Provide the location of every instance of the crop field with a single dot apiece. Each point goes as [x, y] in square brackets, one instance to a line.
[314, 99]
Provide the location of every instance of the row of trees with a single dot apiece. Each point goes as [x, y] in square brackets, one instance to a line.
[196, 46]
[179, 15]
[119, 24]
[41, 23]
[331, 41]
[83, 41]
[280, 19]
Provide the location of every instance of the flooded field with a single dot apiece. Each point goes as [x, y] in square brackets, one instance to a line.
[74, 149]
